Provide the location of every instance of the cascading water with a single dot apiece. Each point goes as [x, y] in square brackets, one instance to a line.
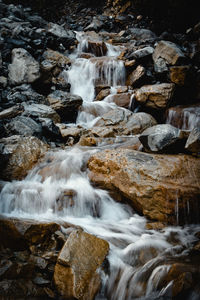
[85, 74]
[59, 189]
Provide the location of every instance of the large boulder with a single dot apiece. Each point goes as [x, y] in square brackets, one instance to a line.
[162, 187]
[76, 273]
[24, 68]
[21, 154]
[170, 52]
[156, 96]
[163, 138]
[65, 104]
[124, 122]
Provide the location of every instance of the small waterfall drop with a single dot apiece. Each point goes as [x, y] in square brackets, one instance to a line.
[86, 74]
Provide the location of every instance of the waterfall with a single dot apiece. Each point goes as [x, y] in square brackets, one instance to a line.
[59, 189]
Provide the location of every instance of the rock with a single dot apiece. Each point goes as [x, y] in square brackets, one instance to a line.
[3, 81]
[25, 93]
[19, 234]
[124, 122]
[75, 273]
[11, 112]
[96, 25]
[170, 52]
[156, 96]
[141, 34]
[65, 104]
[102, 94]
[193, 141]
[98, 48]
[162, 138]
[54, 58]
[156, 185]
[142, 53]
[69, 131]
[136, 76]
[183, 116]
[25, 126]
[179, 74]
[20, 288]
[160, 66]
[50, 130]
[41, 111]
[122, 99]
[59, 31]
[24, 68]
[22, 154]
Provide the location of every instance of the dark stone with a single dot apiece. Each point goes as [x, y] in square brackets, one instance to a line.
[24, 126]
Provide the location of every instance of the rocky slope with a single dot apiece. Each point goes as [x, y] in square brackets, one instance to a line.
[154, 128]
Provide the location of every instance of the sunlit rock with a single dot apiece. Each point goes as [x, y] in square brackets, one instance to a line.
[76, 273]
[170, 52]
[162, 187]
[156, 96]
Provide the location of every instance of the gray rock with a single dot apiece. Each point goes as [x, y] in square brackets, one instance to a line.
[25, 93]
[65, 104]
[162, 138]
[24, 126]
[0, 60]
[141, 53]
[124, 122]
[193, 141]
[142, 34]
[41, 111]
[24, 68]
[168, 51]
[96, 25]
[59, 31]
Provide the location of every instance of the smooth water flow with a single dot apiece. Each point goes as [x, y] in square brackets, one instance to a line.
[59, 189]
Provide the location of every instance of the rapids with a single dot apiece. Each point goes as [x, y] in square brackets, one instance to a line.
[59, 189]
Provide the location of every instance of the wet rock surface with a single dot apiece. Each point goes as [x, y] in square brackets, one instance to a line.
[75, 272]
[152, 183]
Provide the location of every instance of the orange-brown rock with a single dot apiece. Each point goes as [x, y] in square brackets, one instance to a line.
[156, 96]
[75, 274]
[178, 74]
[161, 187]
